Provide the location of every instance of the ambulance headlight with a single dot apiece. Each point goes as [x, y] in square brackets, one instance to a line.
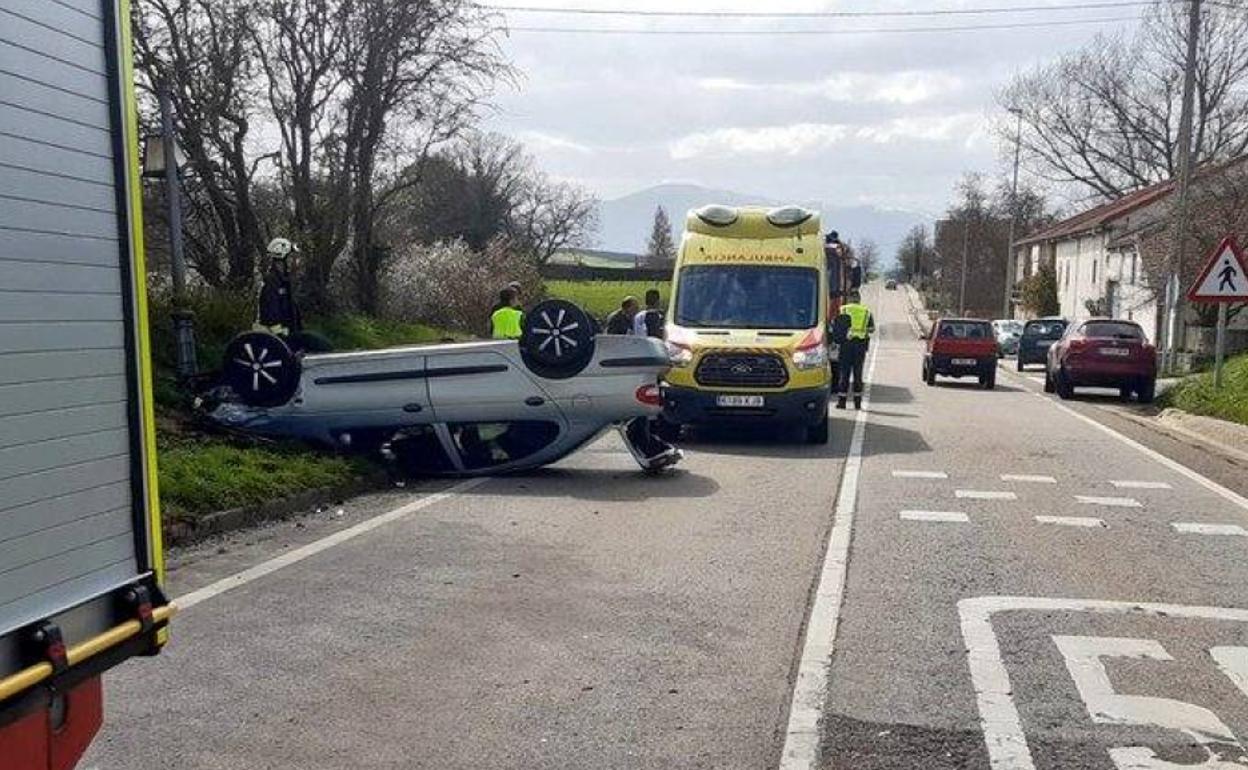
[716, 215]
[788, 216]
[679, 355]
[812, 357]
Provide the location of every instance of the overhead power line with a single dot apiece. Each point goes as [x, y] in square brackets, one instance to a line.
[816, 32]
[1083, 6]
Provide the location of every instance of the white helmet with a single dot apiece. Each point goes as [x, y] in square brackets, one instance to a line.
[282, 248]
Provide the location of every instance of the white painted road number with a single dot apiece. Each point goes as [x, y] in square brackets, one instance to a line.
[1003, 731]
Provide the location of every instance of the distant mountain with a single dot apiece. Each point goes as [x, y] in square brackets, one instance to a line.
[626, 222]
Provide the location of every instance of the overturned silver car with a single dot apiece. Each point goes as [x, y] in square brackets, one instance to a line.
[470, 408]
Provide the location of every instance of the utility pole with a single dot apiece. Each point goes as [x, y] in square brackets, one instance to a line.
[183, 319]
[1174, 304]
[966, 248]
[1007, 308]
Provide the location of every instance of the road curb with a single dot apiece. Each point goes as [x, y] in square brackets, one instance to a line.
[187, 531]
[1166, 422]
[917, 316]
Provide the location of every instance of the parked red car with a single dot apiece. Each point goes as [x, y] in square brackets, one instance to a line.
[1103, 353]
[961, 347]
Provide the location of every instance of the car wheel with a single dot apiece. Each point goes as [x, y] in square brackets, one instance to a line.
[261, 370]
[929, 375]
[990, 380]
[1064, 389]
[1048, 381]
[557, 339]
[1124, 392]
[1021, 365]
[818, 433]
[1147, 391]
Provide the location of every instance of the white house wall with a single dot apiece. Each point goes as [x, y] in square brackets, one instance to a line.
[1084, 269]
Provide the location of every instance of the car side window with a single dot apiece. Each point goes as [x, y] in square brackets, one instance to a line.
[489, 444]
[418, 450]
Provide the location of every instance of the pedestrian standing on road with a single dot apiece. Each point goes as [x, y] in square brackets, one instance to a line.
[853, 327]
[649, 322]
[621, 319]
[505, 321]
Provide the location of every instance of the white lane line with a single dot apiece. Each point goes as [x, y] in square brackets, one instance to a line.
[942, 516]
[1141, 485]
[1195, 528]
[1109, 502]
[920, 475]
[981, 494]
[998, 716]
[1028, 478]
[1071, 521]
[1174, 465]
[186, 601]
[810, 690]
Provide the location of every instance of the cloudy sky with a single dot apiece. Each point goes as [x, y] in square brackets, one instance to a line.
[890, 119]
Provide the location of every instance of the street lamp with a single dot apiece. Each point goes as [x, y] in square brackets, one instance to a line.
[1008, 311]
[158, 151]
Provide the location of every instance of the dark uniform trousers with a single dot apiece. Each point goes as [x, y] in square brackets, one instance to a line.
[853, 356]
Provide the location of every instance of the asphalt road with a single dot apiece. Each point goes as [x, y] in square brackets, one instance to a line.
[1016, 595]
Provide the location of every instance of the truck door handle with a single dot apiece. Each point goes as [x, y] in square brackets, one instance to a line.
[534, 401]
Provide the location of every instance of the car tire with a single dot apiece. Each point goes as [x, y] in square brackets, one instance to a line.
[557, 339]
[1049, 387]
[1021, 365]
[1124, 392]
[1065, 390]
[818, 433]
[990, 380]
[261, 369]
[1147, 391]
[929, 374]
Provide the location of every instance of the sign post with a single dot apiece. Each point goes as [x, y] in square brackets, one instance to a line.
[1224, 280]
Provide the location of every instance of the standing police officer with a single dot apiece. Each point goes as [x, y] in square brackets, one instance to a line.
[857, 324]
[505, 322]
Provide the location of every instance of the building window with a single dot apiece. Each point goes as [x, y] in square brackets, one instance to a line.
[1134, 257]
[1094, 272]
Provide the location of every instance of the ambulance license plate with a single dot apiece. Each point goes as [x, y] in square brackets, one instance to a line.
[739, 401]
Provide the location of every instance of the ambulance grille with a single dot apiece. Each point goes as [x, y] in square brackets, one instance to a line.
[742, 370]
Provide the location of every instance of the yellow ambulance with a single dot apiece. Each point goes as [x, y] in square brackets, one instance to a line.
[746, 327]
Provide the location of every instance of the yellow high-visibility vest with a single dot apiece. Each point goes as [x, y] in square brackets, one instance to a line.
[859, 321]
[505, 323]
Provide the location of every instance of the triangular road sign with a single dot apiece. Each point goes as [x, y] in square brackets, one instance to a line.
[1224, 277]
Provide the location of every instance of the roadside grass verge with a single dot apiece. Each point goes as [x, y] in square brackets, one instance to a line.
[1196, 394]
[207, 474]
[599, 298]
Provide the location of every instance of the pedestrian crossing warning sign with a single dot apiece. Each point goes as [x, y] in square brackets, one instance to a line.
[1224, 277]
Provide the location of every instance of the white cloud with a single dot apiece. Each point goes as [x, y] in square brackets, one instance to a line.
[787, 141]
[542, 142]
[935, 128]
[905, 88]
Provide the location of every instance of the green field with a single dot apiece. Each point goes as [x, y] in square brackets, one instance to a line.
[1197, 395]
[601, 297]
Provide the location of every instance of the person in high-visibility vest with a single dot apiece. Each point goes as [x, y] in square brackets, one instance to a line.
[857, 324]
[506, 320]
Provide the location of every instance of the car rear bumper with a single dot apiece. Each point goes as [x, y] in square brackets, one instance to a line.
[944, 365]
[1107, 374]
[690, 406]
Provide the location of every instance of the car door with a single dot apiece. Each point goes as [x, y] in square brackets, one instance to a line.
[479, 386]
[503, 445]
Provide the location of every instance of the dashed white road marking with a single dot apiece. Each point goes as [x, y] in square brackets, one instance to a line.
[1003, 729]
[1109, 502]
[186, 601]
[1141, 485]
[1028, 478]
[810, 690]
[1196, 528]
[1071, 521]
[982, 494]
[941, 516]
[920, 475]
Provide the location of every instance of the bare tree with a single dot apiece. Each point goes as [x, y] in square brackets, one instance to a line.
[915, 254]
[1106, 117]
[200, 50]
[550, 216]
[867, 252]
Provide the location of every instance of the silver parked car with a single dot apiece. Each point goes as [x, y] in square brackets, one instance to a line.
[471, 408]
[1008, 332]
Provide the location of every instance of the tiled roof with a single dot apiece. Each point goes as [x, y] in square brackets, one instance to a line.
[1099, 216]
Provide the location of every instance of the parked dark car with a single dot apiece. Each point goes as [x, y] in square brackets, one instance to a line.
[1103, 353]
[961, 347]
[1038, 336]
